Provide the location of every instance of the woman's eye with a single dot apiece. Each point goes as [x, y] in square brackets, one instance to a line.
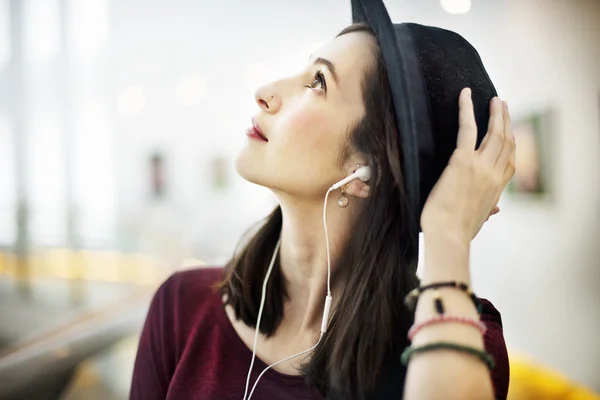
[319, 81]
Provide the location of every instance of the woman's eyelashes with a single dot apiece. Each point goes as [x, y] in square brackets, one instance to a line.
[318, 81]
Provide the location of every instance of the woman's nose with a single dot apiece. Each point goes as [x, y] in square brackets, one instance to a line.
[268, 102]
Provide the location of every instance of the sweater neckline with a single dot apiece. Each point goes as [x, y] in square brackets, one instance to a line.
[246, 353]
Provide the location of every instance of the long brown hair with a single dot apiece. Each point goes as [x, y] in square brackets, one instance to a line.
[379, 262]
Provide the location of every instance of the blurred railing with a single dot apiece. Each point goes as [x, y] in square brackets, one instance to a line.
[40, 367]
[110, 294]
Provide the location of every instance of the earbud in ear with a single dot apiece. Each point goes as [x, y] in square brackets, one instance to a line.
[363, 173]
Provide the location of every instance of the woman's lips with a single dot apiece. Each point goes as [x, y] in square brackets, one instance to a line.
[252, 133]
[255, 132]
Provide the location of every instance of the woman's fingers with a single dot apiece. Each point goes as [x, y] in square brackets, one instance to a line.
[506, 159]
[467, 127]
[494, 140]
[494, 211]
[510, 169]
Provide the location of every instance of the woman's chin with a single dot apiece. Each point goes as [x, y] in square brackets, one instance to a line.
[248, 170]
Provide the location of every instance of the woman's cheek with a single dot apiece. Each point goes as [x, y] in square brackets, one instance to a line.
[310, 127]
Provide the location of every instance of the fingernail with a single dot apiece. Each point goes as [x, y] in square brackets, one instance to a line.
[468, 91]
[505, 105]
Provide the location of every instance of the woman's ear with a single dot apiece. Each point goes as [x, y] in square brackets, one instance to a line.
[358, 188]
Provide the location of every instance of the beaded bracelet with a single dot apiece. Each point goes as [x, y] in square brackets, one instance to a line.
[482, 355]
[446, 318]
[412, 297]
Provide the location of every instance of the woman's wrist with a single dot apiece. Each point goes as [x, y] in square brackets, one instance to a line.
[458, 237]
[446, 257]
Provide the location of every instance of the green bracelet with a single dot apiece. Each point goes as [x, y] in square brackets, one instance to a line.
[482, 355]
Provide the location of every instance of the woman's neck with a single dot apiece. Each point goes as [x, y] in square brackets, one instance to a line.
[303, 257]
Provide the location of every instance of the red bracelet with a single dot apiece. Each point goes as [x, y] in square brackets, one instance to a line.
[446, 318]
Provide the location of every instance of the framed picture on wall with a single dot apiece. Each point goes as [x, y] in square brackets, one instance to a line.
[219, 173]
[534, 155]
[156, 163]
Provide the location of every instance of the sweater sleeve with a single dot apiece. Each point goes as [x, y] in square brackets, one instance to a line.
[155, 360]
[496, 346]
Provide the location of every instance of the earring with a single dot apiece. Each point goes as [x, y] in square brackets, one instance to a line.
[343, 201]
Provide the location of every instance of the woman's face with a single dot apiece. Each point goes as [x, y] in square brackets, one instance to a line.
[306, 119]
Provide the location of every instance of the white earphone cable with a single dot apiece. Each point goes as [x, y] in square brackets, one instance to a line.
[327, 243]
[260, 310]
[282, 361]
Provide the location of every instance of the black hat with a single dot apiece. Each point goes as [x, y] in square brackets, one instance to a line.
[427, 67]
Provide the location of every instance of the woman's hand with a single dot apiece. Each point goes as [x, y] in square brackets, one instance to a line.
[471, 184]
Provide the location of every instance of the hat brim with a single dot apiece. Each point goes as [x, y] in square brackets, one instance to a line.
[409, 92]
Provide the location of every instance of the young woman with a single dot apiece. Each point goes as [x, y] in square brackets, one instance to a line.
[312, 130]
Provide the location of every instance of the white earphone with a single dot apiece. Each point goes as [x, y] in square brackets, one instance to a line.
[364, 174]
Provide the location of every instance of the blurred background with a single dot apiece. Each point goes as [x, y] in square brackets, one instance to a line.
[119, 122]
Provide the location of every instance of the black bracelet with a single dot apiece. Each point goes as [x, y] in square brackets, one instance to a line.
[412, 297]
[481, 354]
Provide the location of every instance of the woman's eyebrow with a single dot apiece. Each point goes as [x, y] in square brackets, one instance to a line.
[329, 65]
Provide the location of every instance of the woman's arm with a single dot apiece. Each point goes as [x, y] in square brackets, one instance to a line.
[446, 374]
[454, 212]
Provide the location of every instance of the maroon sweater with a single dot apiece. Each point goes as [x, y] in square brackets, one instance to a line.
[189, 350]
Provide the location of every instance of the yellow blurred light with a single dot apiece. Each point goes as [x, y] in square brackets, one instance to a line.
[532, 381]
[90, 265]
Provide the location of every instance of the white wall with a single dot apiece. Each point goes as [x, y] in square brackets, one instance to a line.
[539, 262]
[52, 102]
